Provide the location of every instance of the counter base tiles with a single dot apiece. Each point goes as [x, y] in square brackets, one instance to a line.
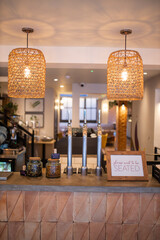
[79, 215]
[78, 207]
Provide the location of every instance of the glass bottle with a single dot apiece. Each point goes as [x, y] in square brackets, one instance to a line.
[34, 167]
[53, 168]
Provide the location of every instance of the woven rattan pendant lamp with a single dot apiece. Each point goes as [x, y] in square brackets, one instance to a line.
[124, 83]
[125, 74]
[26, 72]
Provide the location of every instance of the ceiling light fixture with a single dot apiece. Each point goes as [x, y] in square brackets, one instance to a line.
[67, 76]
[61, 86]
[26, 72]
[124, 83]
[55, 79]
[145, 73]
[125, 74]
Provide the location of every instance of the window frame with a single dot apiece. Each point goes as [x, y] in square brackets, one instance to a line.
[80, 121]
[89, 121]
[66, 120]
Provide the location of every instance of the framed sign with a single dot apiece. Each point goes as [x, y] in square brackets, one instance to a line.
[37, 118]
[34, 105]
[126, 165]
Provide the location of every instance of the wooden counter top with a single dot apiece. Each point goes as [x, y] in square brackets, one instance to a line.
[42, 142]
[77, 183]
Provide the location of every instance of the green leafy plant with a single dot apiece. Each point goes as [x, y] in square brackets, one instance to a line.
[112, 104]
[115, 103]
[34, 118]
[10, 108]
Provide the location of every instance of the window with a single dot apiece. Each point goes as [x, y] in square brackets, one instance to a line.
[90, 104]
[66, 107]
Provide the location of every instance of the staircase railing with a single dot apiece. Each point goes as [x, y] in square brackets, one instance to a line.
[24, 130]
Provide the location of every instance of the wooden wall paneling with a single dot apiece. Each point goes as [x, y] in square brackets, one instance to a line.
[79, 215]
[3, 206]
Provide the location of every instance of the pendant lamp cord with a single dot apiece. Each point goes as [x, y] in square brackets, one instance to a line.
[125, 41]
[27, 39]
[27, 30]
[125, 48]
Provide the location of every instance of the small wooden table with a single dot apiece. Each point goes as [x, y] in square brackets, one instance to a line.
[43, 148]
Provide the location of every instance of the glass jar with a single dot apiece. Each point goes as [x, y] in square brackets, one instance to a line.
[34, 167]
[53, 168]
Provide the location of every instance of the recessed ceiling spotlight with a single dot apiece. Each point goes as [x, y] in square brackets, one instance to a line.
[55, 79]
[67, 76]
[61, 86]
[145, 73]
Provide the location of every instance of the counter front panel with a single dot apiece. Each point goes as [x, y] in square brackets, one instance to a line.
[77, 207]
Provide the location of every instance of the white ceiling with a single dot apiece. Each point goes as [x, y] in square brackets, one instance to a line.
[80, 23]
[85, 23]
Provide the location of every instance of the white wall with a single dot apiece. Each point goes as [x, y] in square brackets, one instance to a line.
[75, 105]
[157, 119]
[104, 111]
[49, 113]
[48, 128]
[143, 113]
[84, 57]
[87, 89]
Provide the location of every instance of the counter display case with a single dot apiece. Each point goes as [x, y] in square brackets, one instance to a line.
[12, 159]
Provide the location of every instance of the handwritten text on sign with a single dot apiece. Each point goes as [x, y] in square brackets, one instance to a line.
[126, 165]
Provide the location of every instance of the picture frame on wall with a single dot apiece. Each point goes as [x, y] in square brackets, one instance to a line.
[38, 118]
[34, 105]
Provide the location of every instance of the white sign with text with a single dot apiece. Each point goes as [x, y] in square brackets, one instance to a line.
[127, 165]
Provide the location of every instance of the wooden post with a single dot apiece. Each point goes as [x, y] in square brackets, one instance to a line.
[121, 129]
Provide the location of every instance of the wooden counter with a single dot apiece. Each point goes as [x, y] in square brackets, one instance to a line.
[78, 183]
[78, 207]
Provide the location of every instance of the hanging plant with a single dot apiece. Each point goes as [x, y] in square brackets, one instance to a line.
[112, 104]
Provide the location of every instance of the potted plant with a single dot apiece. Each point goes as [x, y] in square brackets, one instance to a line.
[10, 108]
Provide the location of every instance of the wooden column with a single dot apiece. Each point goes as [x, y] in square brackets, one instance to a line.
[121, 130]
